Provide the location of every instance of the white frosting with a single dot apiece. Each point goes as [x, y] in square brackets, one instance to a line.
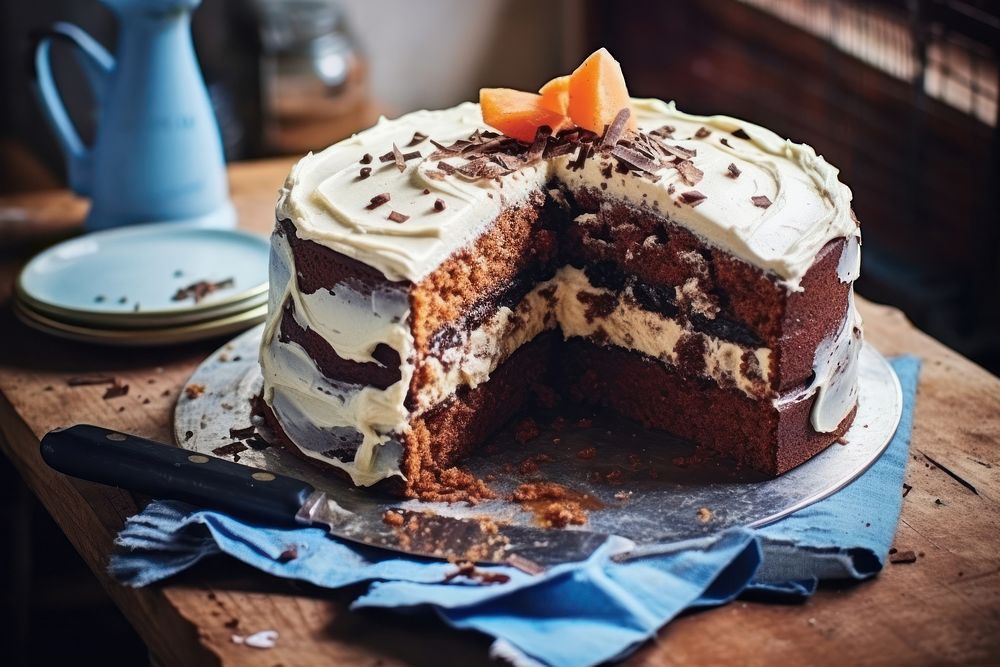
[327, 200]
[835, 374]
[311, 407]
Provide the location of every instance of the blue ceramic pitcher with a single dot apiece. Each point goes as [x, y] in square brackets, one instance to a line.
[157, 154]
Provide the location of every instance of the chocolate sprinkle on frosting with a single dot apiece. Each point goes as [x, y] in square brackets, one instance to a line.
[690, 173]
[760, 201]
[636, 159]
[365, 172]
[702, 133]
[733, 171]
[741, 134]
[693, 197]
[396, 216]
[439, 205]
[366, 158]
[667, 132]
[399, 158]
[616, 130]
[725, 142]
[378, 200]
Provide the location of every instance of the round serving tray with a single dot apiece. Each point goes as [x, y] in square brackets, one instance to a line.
[646, 485]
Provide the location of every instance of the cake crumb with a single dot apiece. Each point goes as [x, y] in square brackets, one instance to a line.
[527, 429]
[193, 391]
[902, 557]
[704, 515]
[554, 505]
[391, 518]
[469, 570]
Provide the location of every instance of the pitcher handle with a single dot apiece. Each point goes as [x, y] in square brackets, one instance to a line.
[98, 65]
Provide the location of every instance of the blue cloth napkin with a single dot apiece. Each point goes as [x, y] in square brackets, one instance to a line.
[573, 614]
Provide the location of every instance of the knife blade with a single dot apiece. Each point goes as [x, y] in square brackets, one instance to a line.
[164, 471]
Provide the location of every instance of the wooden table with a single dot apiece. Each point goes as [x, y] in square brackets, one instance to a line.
[944, 608]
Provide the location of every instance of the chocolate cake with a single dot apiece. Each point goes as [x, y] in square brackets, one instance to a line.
[694, 274]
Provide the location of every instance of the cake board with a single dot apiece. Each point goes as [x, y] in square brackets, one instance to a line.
[640, 484]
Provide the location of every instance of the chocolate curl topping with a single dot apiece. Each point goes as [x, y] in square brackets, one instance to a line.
[378, 200]
[616, 130]
[400, 159]
[693, 197]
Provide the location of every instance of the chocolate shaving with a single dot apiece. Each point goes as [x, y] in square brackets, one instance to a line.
[83, 381]
[666, 131]
[537, 148]
[439, 205]
[396, 216]
[377, 200]
[733, 171]
[690, 173]
[386, 157]
[242, 433]
[413, 155]
[725, 142]
[679, 151]
[365, 173]
[399, 158]
[741, 134]
[903, 557]
[201, 289]
[366, 158]
[232, 449]
[468, 570]
[581, 157]
[760, 201]
[435, 175]
[442, 151]
[418, 138]
[702, 133]
[616, 130]
[693, 197]
[446, 168]
[115, 390]
[558, 150]
[635, 159]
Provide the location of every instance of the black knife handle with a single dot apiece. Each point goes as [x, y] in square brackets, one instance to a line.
[163, 471]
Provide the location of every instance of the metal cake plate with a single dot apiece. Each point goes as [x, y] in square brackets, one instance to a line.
[640, 484]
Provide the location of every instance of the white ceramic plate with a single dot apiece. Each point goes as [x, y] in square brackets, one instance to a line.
[128, 277]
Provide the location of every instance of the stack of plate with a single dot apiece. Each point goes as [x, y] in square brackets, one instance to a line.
[146, 285]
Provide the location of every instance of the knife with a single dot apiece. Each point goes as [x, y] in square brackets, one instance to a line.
[164, 471]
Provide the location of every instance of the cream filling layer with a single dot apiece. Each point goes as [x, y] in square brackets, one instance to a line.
[563, 303]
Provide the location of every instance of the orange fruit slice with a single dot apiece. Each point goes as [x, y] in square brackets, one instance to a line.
[555, 94]
[519, 114]
[597, 92]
